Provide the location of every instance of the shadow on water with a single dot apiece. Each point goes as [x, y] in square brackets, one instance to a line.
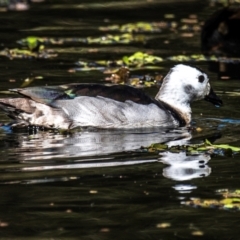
[101, 184]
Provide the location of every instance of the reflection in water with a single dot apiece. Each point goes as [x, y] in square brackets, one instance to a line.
[185, 167]
[47, 151]
[46, 145]
[184, 188]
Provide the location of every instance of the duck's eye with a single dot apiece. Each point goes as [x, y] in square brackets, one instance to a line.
[201, 78]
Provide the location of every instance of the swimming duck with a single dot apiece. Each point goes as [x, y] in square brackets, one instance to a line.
[118, 106]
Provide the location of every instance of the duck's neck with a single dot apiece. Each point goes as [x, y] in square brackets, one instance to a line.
[180, 104]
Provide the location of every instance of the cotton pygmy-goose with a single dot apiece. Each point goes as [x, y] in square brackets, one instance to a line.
[119, 106]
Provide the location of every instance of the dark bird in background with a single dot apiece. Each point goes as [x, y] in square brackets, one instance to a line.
[221, 33]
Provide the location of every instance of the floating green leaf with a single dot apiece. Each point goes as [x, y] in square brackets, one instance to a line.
[22, 54]
[29, 80]
[225, 204]
[194, 148]
[208, 145]
[200, 57]
[155, 27]
[33, 43]
[134, 27]
[230, 201]
[135, 61]
[157, 147]
[140, 60]
[192, 58]
[108, 39]
[228, 193]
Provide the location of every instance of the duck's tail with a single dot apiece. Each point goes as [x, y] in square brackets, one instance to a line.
[25, 112]
[14, 106]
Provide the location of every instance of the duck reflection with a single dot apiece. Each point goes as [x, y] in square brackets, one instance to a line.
[46, 145]
[184, 167]
[46, 151]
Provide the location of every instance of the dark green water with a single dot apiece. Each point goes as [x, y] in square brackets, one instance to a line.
[95, 184]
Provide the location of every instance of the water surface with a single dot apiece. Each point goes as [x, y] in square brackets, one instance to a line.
[99, 184]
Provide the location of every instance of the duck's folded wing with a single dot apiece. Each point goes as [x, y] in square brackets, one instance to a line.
[48, 94]
[119, 93]
[45, 95]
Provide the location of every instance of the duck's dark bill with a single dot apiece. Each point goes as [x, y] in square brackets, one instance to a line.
[213, 98]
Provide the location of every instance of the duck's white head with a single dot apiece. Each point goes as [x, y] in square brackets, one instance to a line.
[184, 84]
